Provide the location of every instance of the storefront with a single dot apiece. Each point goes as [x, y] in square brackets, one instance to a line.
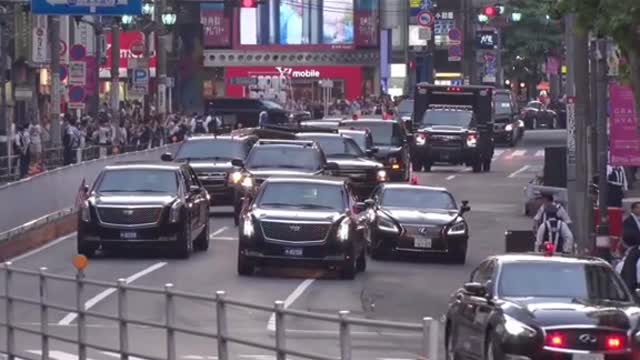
[297, 82]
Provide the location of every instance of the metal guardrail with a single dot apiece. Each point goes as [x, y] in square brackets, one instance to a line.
[428, 329]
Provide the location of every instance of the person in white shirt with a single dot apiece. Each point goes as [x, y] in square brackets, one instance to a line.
[548, 202]
[35, 146]
[555, 231]
[629, 267]
[616, 185]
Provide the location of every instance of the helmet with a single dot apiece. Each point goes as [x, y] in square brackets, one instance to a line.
[551, 212]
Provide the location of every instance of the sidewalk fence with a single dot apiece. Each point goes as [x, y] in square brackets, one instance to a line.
[427, 330]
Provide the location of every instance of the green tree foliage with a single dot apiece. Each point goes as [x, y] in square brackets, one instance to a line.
[528, 42]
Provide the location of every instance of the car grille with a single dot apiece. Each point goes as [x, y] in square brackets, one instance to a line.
[294, 231]
[429, 231]
[129, 216]
[213, 178]
[441, 140]
[356, 174]
[587, 339]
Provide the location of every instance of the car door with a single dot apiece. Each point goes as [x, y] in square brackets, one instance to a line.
[482, 309]
[202, 203]
[191, 199]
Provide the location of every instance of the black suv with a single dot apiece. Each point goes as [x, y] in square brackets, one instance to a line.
[145, 204]
[210, 156]
[364, 172]
[306, 221]
[507, 128]
[392, 143]
[276, 157]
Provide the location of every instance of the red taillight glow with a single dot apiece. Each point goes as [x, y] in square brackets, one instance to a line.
[555, 340]
[472, 137]
[354, 117]
[548, 248]
[614, 342]
[454, 89]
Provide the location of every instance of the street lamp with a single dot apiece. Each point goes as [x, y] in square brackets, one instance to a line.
[169, 17]
[516, 16]
[147, 9]
[127, 19]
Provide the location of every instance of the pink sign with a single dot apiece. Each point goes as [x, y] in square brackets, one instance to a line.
[552, 66]
[366, 28]
[216, 27]
[624, 140]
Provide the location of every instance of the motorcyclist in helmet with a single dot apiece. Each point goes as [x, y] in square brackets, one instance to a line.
[555, 231]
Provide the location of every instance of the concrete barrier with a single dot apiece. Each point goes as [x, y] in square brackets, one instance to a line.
[52, 191]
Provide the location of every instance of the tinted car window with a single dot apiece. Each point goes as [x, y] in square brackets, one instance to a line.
[405, 107]
[337, 146]
[212, 149]
[503, 108]
[383, 133]
[566, 280]
[271, 105]
[139, 180]
[292, 157]
[446, 117]
[302, 195]
[535, 105]
[418, 199]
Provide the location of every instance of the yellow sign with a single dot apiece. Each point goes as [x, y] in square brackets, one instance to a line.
[563, 70]
[415, 3]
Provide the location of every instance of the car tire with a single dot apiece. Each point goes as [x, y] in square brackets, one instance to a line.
[87, 250]
[459, 255]
[361, 263]
[349, 268]
[245, 266]
[202, 241]
[184, 245]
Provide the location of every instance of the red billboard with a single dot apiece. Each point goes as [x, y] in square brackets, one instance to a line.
[127, 39]
[216, 27]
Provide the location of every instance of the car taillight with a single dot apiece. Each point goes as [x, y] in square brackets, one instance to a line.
[472, 137]
[555, 340]
[614, 342]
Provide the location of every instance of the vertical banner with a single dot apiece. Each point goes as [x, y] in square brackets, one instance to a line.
[385, 53]
[216, 27]
[490, 69]
[624, 140]
[366, 23]
[40, 38]
[571, 131]
[84, 35]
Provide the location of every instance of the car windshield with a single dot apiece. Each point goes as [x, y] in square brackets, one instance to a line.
[287, 157]
[503, 108]
[303, 195]
[418, 199]
[360, 139]
[566, 280]
[405, 107]
[272, 105]
[447, 117]
[337, 146]
[216, 149]
[383, 133]
[138, 180]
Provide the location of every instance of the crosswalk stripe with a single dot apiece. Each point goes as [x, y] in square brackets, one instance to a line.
[517, 153]
[57, 355]
[497, 153]
[116, 355]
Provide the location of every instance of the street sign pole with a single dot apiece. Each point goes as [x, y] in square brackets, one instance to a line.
[115, 71]
[54, 43]
[147, 56]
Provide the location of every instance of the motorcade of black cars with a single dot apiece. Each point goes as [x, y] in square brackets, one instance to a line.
[276, 157]
[507, 127]
[365, 173]
[210, 156]
[392, 143]
[453, 125]
[537, 115]
[244, 112]
[303, 221]
[543, 306]
[416, 219]
[161, 205]
[362, 137]
[404, 112]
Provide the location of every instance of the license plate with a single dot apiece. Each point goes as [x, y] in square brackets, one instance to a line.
[588, 357]
[128, 235]
[293, 252]
[422, 243]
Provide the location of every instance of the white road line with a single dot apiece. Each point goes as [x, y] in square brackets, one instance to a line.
[42, 248]
[451, 177]
[519, 171]
[225, 238]
[57, 355]
[497, 153]
[271, 326]
[194, 357]
[217, 232]
[68, 319]
[355, 334]
[116, 355]
[539, 153]
[517, 153]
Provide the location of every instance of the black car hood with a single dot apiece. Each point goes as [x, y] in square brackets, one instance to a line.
[211, 165]
[421, 216]
[132, 199]
[355, 163]
[564, 311]
[385, 150]
[445, 129]
[264, 173]
[296, 214]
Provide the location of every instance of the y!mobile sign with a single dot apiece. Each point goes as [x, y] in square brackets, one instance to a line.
[624, 141]
[127, 39]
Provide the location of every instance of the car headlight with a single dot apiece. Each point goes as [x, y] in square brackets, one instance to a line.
[343, 230]
[382, 175]
[247, 182]
[247, 227]
[387, 225]
[509, 127]
[406, 118]
[520, 123]
[517, 328]
[472, 141]
[457, 229]
[85, 211]
[421, 139]
[174, 213]
[236, 177]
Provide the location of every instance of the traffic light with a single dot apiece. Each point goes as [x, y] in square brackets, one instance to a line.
[248, 4]
[490, 11]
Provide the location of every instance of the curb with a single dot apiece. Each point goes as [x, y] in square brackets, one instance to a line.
[37, 233]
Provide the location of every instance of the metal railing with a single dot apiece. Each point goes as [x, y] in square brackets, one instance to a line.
[427, 331]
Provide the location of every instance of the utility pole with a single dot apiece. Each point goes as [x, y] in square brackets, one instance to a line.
[499, 72]
[467, 46]
[593, 119]
[405, 41]
[98, 31]
[161, 70]
[570, 90]
[54, 44]
[602, 237]
[147, 56]
[115, 70]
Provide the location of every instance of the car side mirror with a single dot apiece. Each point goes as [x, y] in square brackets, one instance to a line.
[331, 166]
[465, 207]
[166, 157]
[195, 189]
[359, 207]
[369, 203]
[371, 151]
[475, 289]
[237, 163]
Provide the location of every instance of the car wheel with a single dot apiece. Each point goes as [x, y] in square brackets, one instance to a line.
[477, 166]
[245, 266]
[184, 246]
[361, 263]
[202, 241]
[459, 255]
[87, 250]
[349, 268]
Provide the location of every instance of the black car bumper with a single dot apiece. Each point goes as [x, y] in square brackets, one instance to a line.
[503, 136]
[409, 244]
[446, 154]
[521, 348]
[95, 235]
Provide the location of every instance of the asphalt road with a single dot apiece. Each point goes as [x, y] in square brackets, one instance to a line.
[399, 290]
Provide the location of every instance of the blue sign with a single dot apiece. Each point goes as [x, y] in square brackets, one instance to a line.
[76, 94]
[456, 82]
[425, 19]
[140, 76]
[86, 7]
[455, 34]
[77, 52]
[64, 72]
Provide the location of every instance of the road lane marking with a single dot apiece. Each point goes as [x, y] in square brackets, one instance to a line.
[497, 153]
[539, 153]
[451, 177]
[57, 355]
[68, 319]
[42, 248]
[116, 355]
[271, 326]
[517, 153]
[225, 238]
[217, 232]
[519, 171]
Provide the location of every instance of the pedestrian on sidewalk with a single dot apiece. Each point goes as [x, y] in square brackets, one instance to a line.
[631, 227]
[23, 144]
[617, 185]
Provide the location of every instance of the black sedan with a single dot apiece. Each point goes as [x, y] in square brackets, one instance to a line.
[543, 307]
[305, 221]
[416, 219]
[537, 115]
[365, 173]
[145, 204]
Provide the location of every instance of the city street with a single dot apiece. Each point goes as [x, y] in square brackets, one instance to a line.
[399, 290]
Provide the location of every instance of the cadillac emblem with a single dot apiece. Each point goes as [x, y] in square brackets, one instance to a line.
[294, 228]
[127, 212]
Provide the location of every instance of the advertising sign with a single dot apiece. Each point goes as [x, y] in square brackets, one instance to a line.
[127, 39]
[40, 39]
[366, 28]
[624, 141]
[216, 28]
[490, 68]
[139, 78]
[77, 73]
